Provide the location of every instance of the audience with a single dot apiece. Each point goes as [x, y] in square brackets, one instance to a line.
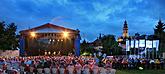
[74, 65]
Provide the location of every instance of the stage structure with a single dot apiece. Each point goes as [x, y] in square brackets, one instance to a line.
[49, 39]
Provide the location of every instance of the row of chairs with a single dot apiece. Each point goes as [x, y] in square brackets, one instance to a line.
[101, 70]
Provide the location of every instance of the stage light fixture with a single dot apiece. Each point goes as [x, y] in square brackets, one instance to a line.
[33, 34]
[65, 34]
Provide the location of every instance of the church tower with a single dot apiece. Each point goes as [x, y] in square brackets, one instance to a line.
[125, 29]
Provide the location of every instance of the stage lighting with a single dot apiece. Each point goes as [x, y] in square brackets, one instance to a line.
[65, 34]
[33, 34]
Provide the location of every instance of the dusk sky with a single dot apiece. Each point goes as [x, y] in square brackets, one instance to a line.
[91, 17]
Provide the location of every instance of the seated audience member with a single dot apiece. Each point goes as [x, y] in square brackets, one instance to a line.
[95, 69]
[54, 68]
[78, 68]
[62, 69]
[86, 69]
[70, 68]
[102, 70]
[39, 68]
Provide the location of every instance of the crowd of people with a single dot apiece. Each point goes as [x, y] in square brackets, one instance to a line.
[74, 65]
[136, 63]
[53, 65]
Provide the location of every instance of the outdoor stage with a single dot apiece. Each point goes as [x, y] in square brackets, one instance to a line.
[49, 39]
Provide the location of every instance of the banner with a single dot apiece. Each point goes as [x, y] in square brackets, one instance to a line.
[132, 43]
[148, 44]
[127, 46]
[141, 43]
[136, 44]
[156, 44]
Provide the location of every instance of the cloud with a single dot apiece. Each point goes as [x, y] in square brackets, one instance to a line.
[91, 17]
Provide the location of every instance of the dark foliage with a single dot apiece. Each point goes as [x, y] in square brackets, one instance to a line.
[8, 39]
[159, 32]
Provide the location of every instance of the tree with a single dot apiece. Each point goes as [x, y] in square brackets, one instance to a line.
[110, 45]
[86, 48]
[8, 40]
[159, 32]
[159, 28]
[2, 33]
[12, 40]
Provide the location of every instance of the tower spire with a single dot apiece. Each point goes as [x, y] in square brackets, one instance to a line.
[125, 29]
[100, 36]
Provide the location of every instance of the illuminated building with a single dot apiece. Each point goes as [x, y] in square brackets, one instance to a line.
[49, 39]
[125, 30]
[139, 45]
[122, 39]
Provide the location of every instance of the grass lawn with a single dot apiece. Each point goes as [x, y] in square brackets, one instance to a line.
[140, 72]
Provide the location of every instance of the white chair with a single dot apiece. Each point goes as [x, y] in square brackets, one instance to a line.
[1, 66]
[70, 70]
[86, 71]
[14, 71]
[16, 66]
[54, 70]
[78, 68]
[103, 70]
[9, 67]
[109, 70]
[62, 70]
[47, 71]
[1, 71]
[95, 71]
[31, 69]
[78, 71]
[22, 70]
[113, 71]
[39, 71]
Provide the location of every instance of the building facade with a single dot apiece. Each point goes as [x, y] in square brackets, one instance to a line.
[49, 39]
[122, 39]
[138, 45]
[143, 46]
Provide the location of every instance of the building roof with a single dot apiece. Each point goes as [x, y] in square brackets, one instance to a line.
[50, 26]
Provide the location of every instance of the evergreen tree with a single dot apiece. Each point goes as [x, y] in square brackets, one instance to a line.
[159, 28]
[159, 32]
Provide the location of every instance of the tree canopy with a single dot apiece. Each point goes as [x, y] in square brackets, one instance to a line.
[110, 45]
[8, 40]
[86, 48]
